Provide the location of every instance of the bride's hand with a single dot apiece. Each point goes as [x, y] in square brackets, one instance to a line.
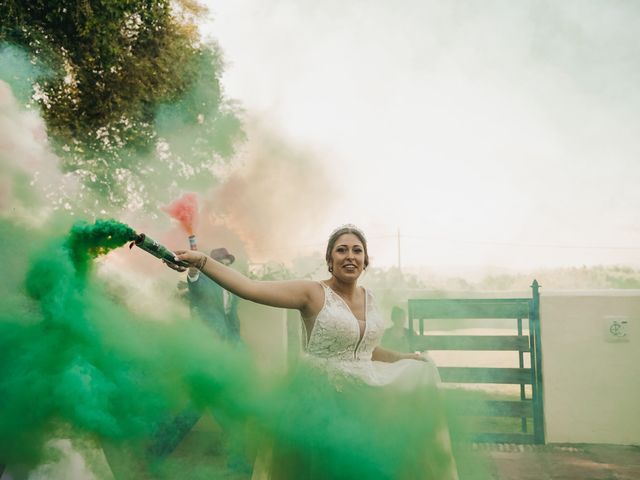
[193, 258]
[420, 356]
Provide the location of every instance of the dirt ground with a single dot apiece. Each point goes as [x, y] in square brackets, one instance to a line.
[556, 461]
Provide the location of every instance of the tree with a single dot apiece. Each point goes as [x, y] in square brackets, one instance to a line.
[132, 100]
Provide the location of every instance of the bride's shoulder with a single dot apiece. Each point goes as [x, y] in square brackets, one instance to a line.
[316, 293]
[367, 291]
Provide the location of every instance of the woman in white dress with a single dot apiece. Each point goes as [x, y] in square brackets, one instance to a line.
[344, 329]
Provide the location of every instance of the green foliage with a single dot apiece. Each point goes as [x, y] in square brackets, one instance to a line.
[381, 279]
[580, 278]
[271, 271]
[390, 285]
[127, 79]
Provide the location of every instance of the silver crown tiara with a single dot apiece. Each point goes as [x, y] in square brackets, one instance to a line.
[349, 226]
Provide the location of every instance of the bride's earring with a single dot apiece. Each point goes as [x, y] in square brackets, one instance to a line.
[330, 268]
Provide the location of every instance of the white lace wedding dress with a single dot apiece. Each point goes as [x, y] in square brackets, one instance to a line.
[337, 346]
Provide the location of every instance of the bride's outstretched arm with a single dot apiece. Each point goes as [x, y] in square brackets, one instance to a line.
[295, 294]
[383, 355]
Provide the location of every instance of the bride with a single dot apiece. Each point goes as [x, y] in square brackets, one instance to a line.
[343, 329]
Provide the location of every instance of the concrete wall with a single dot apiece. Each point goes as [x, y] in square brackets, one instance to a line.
[591, 381]
[264, 331]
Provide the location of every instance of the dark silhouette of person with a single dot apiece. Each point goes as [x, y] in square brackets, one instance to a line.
[397, 337]
[216, 307]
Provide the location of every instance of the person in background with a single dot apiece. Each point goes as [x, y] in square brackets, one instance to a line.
[397, 337]
[217, 307]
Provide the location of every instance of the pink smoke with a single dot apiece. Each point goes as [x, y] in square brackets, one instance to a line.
[185, 210]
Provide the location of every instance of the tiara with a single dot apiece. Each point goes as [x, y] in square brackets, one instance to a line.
[348, 226]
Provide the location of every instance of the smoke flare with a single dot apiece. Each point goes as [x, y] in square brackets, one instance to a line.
[185, 211]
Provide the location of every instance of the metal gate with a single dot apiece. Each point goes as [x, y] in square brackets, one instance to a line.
[483, 310]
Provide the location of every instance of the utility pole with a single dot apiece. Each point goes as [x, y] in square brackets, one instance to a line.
[399, 263]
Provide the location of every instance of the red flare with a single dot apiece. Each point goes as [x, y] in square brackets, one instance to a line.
[185, 210]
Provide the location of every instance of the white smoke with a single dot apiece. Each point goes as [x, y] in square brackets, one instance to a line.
[31, 184]
[276, 200]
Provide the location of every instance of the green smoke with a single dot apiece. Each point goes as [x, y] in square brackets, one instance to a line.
[78, 364]
[19, 72]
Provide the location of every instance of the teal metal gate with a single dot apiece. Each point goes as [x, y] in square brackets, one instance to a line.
[519, 310]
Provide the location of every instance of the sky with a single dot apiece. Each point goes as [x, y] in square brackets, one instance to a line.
[492, 133]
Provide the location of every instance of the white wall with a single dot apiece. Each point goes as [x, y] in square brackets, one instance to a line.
[591, 385]
[264, 331]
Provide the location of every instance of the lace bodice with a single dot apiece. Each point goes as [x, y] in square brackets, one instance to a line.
[336, 331]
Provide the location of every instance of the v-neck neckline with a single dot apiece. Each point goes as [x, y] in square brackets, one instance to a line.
[362, 333]
[347, 305]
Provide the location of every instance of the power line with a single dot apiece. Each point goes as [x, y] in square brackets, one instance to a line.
[399, 237]
[513, 244]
